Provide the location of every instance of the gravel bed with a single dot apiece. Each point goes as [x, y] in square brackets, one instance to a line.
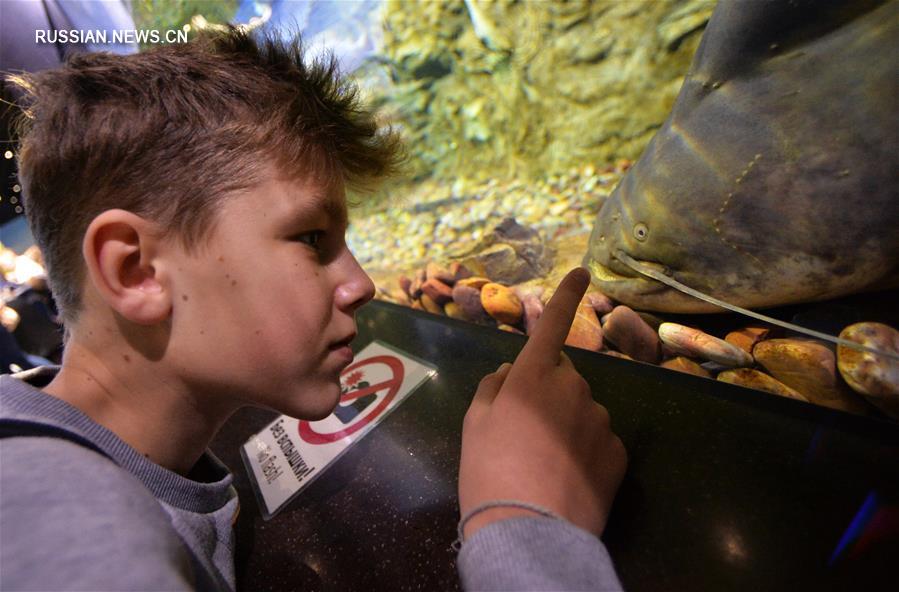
[436, 219]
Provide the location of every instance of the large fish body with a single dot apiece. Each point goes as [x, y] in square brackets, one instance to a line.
[775, 178]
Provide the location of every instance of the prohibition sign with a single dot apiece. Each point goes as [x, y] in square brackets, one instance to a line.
[392, 384]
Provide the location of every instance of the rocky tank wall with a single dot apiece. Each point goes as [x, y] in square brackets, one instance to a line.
[487, 89]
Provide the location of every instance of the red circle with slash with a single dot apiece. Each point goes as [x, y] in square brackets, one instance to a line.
[308, 434]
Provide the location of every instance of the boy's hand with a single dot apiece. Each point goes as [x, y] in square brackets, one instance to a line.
[534, 434]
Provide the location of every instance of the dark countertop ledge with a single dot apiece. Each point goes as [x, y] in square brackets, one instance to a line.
[727, 488]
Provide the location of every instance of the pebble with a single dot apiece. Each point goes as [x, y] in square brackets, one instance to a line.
[810, 368]
[698, 344]
[405, 284]
[715, 367]
[754, 379]
[437, 291]
[501, 303]
[874, 377]
[525, 290]
[686, 365]
[651, 319]
[469, 300]
[454, 311]
[501, 263]
[669, 352]
[557, 209]
[459, 271]
[585, 332]
[747, 337]
[435, 271]
[631, 335]
[9, 318]
[473, 282]
[601, 303]
[533, 310]
[395, 295]
[430, 305]
[615, 354]
[417, 281]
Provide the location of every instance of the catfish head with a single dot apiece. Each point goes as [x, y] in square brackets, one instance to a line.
[775, 179]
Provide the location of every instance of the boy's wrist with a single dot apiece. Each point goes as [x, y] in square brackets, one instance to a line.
[473, 519]
[496, 514]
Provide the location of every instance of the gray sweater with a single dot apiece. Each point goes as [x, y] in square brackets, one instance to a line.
[73, 520]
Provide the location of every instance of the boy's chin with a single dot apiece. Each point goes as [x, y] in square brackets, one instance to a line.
[319, 403]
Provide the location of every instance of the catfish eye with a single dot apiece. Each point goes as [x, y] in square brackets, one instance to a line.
[641, 231]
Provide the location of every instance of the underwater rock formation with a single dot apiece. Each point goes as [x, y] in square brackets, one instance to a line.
[518, 89]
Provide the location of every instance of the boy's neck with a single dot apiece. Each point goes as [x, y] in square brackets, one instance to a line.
[140, 402]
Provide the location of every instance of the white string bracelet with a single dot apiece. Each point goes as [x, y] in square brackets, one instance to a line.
[457, 544]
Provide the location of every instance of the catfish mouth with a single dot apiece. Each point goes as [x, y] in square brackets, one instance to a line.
[642, 292]
[635, 284]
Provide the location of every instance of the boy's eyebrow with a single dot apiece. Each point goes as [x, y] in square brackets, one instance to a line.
[320, 202]
[334, 208]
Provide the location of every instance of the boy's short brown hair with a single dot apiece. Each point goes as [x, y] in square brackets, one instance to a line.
[169, 133]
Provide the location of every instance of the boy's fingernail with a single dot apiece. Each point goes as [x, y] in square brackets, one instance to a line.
[504, 366]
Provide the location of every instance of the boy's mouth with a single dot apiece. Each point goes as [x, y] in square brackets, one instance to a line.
[342, 350]
[345, 342]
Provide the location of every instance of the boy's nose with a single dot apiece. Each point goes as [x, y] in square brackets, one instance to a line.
[357, 288]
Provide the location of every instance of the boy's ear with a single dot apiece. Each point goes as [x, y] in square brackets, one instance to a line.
[120, 249]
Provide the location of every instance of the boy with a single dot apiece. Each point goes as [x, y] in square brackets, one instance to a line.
[189, 203]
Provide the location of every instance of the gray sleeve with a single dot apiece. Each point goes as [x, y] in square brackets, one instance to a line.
[535, 554]
[73, 520]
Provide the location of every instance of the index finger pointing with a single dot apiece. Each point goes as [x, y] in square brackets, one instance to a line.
[545, 343]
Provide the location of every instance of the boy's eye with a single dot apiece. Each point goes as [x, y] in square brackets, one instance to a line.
[313, 239]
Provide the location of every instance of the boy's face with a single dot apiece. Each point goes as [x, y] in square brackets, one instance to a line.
[263, 313]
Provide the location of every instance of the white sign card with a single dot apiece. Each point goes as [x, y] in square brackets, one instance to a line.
[288, 454]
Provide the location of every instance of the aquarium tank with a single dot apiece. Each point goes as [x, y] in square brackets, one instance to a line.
[727, 172]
